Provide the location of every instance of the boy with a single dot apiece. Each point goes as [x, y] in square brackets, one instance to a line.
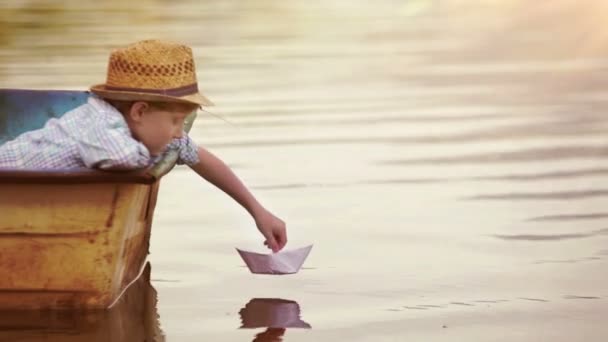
[132, 119]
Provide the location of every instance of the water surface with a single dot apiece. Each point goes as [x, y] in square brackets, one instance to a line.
[447, 159]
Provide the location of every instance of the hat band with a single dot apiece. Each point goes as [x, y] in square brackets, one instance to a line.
[180, 91]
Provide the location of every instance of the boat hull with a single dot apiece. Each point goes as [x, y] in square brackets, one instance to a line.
[72, 245]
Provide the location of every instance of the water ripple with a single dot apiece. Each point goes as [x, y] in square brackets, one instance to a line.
[571, 217]
[556, 195]
[524, 155]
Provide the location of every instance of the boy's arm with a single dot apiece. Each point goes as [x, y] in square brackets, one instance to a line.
[111, 149]
[219, 174]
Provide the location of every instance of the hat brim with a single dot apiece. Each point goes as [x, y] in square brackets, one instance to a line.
[100, 90]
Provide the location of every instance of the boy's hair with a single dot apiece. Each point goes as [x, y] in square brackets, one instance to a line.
[124, 106]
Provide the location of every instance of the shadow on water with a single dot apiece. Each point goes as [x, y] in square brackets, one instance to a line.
[133, 319]
[274, 314]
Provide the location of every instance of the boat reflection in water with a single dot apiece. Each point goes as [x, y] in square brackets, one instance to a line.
[133, 318]
[276, 315]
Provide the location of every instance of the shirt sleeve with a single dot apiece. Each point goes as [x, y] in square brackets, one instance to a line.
[187, 150]
[112, 149]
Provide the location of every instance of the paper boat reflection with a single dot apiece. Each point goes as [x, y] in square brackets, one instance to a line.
[285, 262]
[272, 313]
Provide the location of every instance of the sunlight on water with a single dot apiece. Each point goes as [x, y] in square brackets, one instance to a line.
[446, 157]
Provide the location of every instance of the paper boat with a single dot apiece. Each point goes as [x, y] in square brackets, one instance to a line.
[285, 262]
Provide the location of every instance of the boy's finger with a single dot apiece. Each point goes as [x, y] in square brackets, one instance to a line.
[272, 243]
[281, 240]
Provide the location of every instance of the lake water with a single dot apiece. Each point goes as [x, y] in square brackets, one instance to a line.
[446, 158]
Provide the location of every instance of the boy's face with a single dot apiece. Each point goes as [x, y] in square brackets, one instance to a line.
[155, 128]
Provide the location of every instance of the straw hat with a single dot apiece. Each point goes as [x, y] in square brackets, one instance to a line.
[152, 70]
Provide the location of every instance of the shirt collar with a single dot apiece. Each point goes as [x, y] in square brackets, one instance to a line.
[108, 112]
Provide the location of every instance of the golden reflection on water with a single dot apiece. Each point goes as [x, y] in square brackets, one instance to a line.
[459, 146]
[133, 318]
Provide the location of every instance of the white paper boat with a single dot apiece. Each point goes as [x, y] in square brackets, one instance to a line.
[284, 262]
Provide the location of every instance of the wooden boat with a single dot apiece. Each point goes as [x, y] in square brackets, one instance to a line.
[69, 238]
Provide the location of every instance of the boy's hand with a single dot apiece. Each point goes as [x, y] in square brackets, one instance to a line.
[273, 229]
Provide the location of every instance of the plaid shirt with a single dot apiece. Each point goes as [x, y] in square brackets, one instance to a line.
[94, 135]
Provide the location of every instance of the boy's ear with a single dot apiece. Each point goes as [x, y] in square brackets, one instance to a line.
[137, 110]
